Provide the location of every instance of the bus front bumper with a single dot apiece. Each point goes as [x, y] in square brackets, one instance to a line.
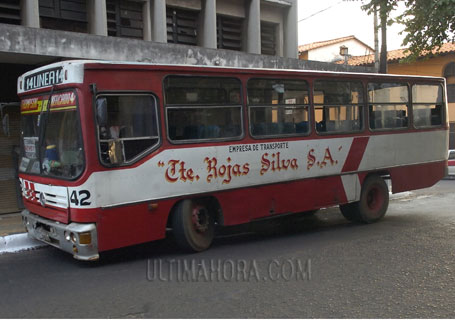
[79, 239]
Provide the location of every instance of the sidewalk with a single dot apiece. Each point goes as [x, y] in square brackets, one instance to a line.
[12, 234]
[11, 224]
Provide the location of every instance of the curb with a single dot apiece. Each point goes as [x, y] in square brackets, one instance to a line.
[18, 242]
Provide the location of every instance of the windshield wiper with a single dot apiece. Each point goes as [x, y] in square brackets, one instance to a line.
[42, 123]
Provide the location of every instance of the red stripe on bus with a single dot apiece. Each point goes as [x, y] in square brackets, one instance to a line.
[355, 154]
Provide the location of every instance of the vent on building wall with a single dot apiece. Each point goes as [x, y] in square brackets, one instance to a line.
[268, 38]
[181, 26]
[229, 33]
[124, 19]
[66, 15]
[10, 12]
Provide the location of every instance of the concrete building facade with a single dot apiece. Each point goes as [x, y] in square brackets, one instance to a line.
[235, 33]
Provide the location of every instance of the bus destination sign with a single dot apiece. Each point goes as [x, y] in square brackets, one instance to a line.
[44, 78]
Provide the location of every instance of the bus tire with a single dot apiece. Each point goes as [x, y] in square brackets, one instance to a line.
[350, 211]
[373, 203]
[193, 226]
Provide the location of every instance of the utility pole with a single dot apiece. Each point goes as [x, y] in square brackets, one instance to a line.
[383, 16]
[376, 39]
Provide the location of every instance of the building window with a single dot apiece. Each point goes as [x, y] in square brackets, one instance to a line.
[124, 19]
[69, 15]
[338, 106]
[181, 26]
[229, 33]
[278, 107]
[268, 38]
[449, 74]
[10, 12]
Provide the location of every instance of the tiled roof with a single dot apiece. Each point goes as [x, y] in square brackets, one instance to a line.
[396, 55]
[315, 45]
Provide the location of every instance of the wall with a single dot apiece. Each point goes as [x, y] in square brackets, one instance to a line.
[18, 41]
[234, 8]
[431, 67]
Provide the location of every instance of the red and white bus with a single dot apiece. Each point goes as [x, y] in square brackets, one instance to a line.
[113, 154]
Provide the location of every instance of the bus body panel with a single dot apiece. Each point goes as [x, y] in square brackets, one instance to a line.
[250, 178]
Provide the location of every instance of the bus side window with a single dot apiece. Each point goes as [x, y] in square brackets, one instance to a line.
[427, 105]
[338, 106]
[388, 107]
[278, 107]
[202, 108]
[130, 130]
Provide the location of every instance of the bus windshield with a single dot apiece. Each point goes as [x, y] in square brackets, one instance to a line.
[51, 141]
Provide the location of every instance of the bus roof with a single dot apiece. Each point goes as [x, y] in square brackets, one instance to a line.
[72, 71]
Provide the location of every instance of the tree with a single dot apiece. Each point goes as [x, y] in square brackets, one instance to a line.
[428, 24]
[384, 7]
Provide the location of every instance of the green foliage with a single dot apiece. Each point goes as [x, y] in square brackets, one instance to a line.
[428, 24]
[384, 7]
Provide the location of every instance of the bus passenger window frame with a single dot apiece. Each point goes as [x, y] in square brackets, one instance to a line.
[441, 104]
[198, 107]
[278, 107]
[141, 154]
[324, 106]
[407, 103]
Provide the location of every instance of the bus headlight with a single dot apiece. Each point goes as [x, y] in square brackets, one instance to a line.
[73, 238]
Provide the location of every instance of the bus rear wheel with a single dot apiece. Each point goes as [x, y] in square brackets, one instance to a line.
[373, 203]
[193, 226]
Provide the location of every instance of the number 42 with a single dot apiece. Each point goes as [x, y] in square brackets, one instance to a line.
[80, 197]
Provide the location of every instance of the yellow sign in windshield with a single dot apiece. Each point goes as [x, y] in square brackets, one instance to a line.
[60, 102]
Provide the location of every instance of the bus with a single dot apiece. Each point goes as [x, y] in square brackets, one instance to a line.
[117, 154]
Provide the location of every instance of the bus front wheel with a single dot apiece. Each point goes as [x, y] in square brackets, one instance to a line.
[193, 226]
[373, 203]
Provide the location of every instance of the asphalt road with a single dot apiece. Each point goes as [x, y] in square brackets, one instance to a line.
[320, 266]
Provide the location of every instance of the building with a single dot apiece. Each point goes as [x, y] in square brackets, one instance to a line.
[438, 63]
[236, 33]
[334, 50]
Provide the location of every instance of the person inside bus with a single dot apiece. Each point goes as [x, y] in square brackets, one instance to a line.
[51, 156]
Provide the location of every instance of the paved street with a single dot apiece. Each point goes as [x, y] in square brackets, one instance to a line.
[403, 266]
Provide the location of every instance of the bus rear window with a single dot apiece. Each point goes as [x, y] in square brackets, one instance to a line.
[427, 105]
[203, 108]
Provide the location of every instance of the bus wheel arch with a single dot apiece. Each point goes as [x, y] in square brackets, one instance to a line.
[193, 222]
[373, 202]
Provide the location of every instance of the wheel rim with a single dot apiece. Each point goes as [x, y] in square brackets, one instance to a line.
[200, 219]
[375, 199]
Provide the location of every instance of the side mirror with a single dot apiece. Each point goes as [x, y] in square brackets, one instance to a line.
[101, 112]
